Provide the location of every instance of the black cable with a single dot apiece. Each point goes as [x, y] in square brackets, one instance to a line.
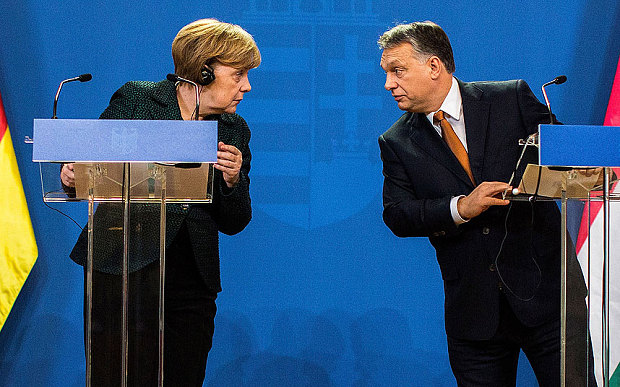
[501, 247]
[63, 214]
[532, 200]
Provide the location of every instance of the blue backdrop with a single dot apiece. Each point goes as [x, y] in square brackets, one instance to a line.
[317, 291]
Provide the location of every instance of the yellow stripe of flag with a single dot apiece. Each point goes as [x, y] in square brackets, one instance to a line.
[18, 249]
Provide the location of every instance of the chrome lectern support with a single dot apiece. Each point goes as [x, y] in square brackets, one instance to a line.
[126, 230]
[89, 278]
[162, 279]
[563, 282]
[606, 200]
[605, 284]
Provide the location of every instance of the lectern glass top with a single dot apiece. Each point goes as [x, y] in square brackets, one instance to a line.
[188, 183]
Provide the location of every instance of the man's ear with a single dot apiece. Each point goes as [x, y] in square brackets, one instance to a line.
[435, 66]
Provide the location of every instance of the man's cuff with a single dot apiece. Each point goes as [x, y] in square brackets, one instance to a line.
[458, 219]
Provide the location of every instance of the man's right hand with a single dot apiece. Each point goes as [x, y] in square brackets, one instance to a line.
[485, 195]
[67, 176]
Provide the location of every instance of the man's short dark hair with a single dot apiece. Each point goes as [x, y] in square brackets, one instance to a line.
[426, 38]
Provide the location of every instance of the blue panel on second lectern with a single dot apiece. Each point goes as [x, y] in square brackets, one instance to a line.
[580, 145]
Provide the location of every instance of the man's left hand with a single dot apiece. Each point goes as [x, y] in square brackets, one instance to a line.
[481, 198]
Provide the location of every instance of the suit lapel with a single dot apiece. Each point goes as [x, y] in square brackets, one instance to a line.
[476, 113]
[426, 137]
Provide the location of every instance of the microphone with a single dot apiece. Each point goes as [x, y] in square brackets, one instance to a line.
[175, 78]
[532, 139]
[557, 81]
[81, 78]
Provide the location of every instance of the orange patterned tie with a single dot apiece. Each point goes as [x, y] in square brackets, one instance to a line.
[454, 143]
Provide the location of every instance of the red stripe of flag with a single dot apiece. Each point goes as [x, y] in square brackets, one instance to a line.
[612, 118]
[3, 123]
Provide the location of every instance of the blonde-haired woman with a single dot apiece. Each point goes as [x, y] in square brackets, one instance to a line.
[217, 56]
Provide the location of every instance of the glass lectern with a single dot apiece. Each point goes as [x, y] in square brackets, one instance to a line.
[576, 167]
[133, 172]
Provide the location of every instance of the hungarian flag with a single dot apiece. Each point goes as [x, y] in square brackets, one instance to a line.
[593, 217]
[18, 249]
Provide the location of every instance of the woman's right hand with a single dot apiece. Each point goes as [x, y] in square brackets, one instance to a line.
[67, 176]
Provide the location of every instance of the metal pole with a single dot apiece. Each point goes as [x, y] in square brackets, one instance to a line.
[605, 290]
[589, 366]
[162, 276]
[563, 290]
[89, 278]
[126, 231]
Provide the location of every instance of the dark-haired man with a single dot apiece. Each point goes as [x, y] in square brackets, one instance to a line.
[446, 162]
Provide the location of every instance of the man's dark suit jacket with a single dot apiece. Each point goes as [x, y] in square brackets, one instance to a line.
[229, 212]
[421, 175]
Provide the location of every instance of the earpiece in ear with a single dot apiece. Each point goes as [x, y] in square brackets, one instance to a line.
[207, 75]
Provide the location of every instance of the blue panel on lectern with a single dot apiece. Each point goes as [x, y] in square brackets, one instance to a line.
[125, 141]
[580, 145]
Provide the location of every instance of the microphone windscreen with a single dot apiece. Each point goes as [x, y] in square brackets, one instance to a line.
[172, 77]
[560, 79]
[85, 77]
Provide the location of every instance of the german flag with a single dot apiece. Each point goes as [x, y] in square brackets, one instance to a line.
[18, 248]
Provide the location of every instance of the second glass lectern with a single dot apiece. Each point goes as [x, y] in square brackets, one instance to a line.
[575, 147]
[576, 164]
[131, 173]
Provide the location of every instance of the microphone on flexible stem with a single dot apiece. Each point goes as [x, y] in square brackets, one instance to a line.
[557, 81]
[532, 139]
[81, 78]
[176, 78]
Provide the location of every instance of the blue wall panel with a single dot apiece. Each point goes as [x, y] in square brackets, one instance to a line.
[316, 289]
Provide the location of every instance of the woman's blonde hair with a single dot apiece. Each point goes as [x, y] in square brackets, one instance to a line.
[208, 40]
